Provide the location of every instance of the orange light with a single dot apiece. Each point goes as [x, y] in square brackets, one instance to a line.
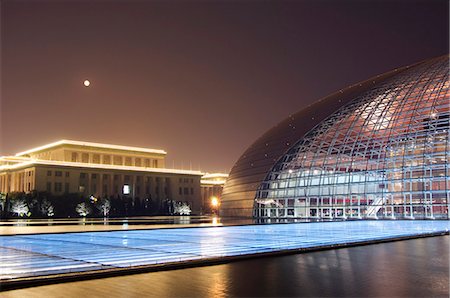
[214, 202]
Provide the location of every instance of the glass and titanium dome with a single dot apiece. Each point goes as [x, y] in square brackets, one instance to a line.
[379, 149]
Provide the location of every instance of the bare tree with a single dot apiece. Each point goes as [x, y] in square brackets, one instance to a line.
[2, 202]
[47, 208]
[182, 208]
[104, 207]
[20, 207]
[83, 209]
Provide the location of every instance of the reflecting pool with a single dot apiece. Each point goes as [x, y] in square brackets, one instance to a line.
[47, 254]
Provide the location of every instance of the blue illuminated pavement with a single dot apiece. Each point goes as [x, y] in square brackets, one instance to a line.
[48, 254]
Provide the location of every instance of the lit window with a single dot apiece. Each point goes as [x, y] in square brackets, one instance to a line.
[126, 189]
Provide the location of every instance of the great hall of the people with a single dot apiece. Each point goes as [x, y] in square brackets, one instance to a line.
[104, 170]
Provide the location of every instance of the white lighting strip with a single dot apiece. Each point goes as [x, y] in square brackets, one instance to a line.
[98, 166]
[13, 158]
[17, 166]
[215, 175]
[212, 182]
[89, 144]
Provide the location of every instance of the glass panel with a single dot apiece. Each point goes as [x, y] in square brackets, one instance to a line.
[385, 154]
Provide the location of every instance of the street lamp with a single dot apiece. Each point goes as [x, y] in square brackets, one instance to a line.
[215, 204]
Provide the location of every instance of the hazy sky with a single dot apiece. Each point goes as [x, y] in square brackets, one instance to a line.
[199, 79]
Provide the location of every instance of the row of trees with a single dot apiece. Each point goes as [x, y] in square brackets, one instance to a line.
[45, 205]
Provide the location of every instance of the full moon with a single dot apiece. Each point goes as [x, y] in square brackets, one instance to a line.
[86, 83]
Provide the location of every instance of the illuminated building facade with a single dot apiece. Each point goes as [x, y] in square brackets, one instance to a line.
[100, 170]
[378, 149]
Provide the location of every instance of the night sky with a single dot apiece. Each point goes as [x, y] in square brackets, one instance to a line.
[199, 79]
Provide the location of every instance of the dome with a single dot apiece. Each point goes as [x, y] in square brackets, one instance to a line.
[378, 149]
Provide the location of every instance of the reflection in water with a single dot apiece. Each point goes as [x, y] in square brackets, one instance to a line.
[215, 221]
[412, 268]
[219, 284]
[147, 220]
[22, 222]
[183, 220]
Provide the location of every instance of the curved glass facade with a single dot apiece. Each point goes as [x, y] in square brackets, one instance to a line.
[250, 170]
[384, 154]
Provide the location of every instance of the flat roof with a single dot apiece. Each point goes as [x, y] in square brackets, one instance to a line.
[31, 162]
[214, 175]
[91, 144]
[212, 182]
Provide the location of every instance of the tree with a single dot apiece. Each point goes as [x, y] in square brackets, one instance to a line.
[19, 206]
[104, 207]
[47, 208]
[83, 209]
[182, 208]
[2, 202]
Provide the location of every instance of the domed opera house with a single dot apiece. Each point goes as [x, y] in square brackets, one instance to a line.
[377, 149]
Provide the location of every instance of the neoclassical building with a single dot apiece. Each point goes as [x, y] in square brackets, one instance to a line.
[99, 170]
[377, 149]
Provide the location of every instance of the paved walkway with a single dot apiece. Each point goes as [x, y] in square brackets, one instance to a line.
[25, 256]
[412, 268]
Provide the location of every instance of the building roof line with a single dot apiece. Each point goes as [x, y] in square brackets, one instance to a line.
[215, 175]
[99, 166]
[209, 182]
[90, 144]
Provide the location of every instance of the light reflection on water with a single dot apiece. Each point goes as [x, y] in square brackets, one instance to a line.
[396, 269]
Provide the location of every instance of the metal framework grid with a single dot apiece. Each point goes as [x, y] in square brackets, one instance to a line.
[383, 155]
[37, 255]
